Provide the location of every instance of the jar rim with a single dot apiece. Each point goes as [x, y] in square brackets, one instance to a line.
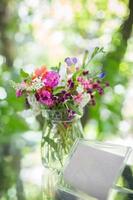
[56, 115]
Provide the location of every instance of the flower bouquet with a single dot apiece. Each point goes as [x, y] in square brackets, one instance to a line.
[60, 94]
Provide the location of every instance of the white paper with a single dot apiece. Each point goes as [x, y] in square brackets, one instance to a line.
[93, 171]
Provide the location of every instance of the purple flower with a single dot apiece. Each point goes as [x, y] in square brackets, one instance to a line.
[18, 93]
[89, 91]
[102, 75]
[68, 61]
[45, 97]
[61, 99]
[37, 96]
[51, 79]
[95, 85]
[85, 72]
[107, 84]
[75, 60]
[67, 95]
[71, 61]
[64, 96]
[100, 91]
[70, 83]
[63, 92]
[71, 114]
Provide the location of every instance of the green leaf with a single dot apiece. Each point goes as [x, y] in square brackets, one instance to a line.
[76, 74]
[57, 90]
[85, 58]
[59, 65]
[13, 84]
[56, 68]
[74, 108]
[96, 51]
[50, 142]
[24, 74]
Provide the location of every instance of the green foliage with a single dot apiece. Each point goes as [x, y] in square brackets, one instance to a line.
[89, 22]
[11, 122]
[77, 74]
[87, 59]
[57, 90]
[74, 108]
[23, 74]
[96, 51]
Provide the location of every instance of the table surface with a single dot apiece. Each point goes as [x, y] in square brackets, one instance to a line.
[22, 177]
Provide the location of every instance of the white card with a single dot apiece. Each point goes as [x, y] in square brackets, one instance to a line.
[93, 171]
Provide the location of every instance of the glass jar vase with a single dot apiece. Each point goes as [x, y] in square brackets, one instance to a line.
[61, 130]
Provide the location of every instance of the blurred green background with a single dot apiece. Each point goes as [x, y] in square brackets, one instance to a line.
[36, 32]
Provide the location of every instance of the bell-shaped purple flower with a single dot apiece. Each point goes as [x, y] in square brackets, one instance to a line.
[68, 61]
[71, 61]
[74, 60]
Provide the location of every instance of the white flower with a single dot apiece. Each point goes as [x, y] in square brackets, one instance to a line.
[80, 89]
[34, 104]
[63, 75]
[85, 100]
[37, 84]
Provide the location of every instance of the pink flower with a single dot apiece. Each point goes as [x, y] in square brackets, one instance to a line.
[87, 84]
[18, 93]
[80, 79]
[45, 97]
[78, 98]
[51, 79]
[23, 84]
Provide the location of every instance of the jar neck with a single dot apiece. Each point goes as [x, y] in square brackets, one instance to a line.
[57, 116]
[65, 126]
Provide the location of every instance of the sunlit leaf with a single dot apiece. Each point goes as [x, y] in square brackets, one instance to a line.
[57, 90]
[24, 74]
[76, 74]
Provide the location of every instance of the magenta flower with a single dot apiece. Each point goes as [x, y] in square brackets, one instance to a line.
[45, 98]
[78, 98]
[87, 84]
[18, 93]
[51, 79]
[80, 79]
